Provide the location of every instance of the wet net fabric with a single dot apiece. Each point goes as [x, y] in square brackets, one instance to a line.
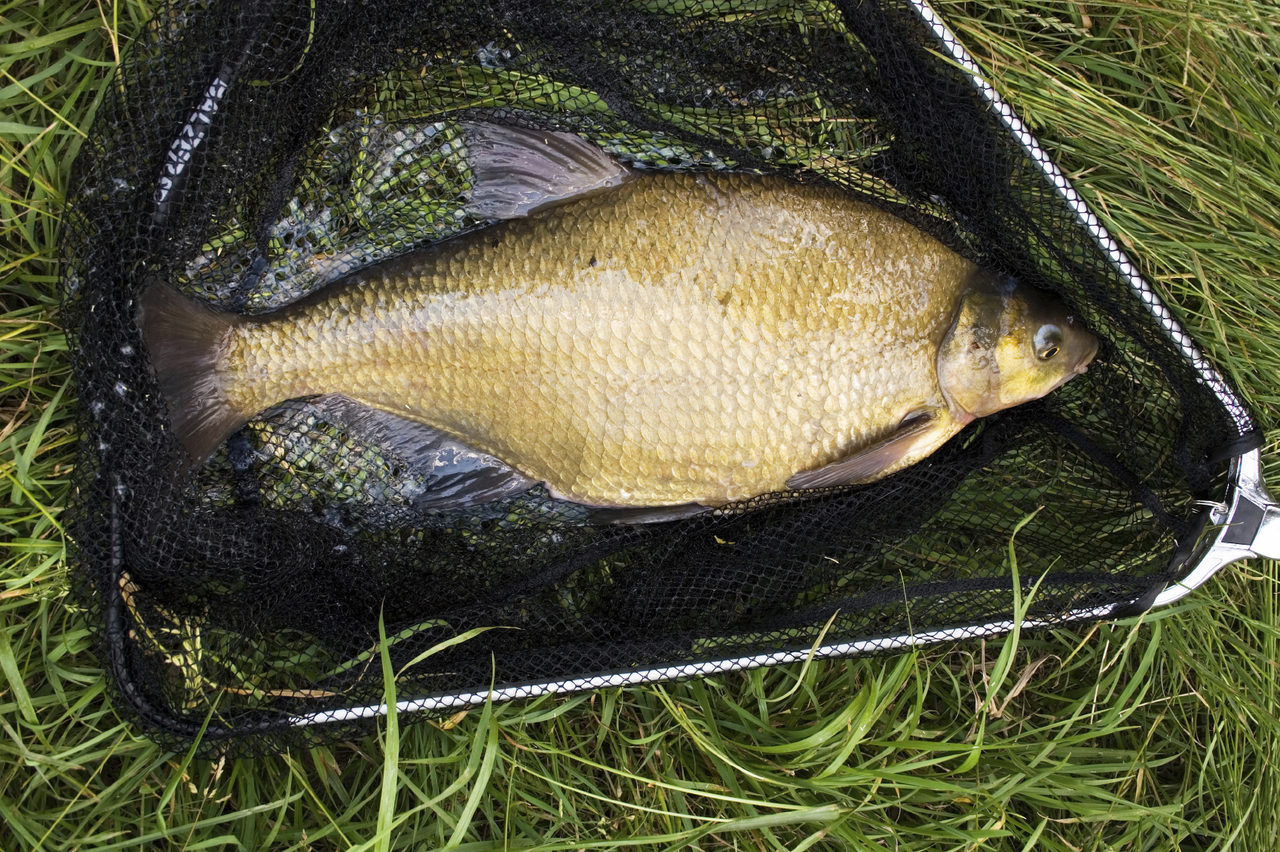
[249, 154]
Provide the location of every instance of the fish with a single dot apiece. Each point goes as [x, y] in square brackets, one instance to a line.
[653, 344]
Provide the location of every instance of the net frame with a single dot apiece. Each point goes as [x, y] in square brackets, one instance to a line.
[1246, 513]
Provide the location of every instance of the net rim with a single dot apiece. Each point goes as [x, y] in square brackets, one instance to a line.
[1216, 556]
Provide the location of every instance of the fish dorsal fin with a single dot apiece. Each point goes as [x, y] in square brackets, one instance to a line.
[454, 475]
[918, 429]
[517, 171]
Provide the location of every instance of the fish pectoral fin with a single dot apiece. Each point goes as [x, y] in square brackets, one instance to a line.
[516, 171]
[918, 429]
[454, 474]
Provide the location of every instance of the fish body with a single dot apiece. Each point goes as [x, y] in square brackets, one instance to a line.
[676, 340]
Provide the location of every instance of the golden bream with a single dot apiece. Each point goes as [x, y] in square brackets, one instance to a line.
[657, 341]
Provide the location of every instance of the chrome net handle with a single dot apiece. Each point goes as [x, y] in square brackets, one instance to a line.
[1248, 519]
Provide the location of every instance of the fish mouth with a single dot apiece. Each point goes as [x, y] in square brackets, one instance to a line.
[1080, 368]
[1083, 366]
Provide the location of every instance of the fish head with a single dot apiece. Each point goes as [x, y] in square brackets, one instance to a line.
[1009, 343]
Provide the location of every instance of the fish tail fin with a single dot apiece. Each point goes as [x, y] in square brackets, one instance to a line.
[186, 341]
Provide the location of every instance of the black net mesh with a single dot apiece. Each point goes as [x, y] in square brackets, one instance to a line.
[250, 153]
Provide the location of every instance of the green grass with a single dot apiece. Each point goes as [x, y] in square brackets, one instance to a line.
[1155, 733]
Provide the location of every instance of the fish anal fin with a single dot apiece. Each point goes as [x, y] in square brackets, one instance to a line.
[516, 171]
[645, 514]
[455, 475]
[919, 433]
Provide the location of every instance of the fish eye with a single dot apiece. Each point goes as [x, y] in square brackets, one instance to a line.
[1048, 341]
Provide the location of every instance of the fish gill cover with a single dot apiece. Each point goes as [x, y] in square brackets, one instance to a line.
[249, 154]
